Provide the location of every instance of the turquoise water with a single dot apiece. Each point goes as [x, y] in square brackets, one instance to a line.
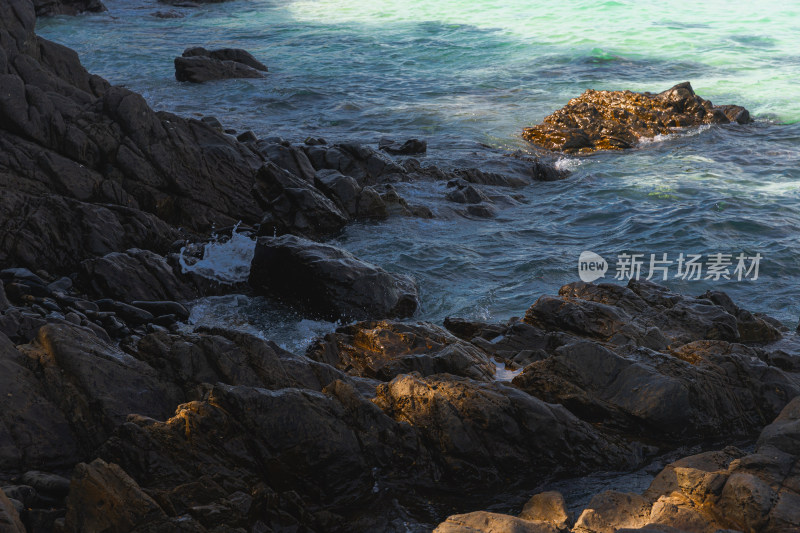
[464, 74]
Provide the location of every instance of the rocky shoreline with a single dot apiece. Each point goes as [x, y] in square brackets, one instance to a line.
[114, 418]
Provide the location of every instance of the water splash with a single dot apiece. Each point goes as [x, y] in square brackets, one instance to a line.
[225, 261]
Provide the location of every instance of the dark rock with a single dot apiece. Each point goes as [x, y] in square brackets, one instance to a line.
[343, 190]
[489, 431]
[288, 157]
[615, 120]
[198, 65]
[323, 453]
[227, 54]
[294, 206]
[4, 303]
[171, 14]
[383, 350]
[721, 392]
[464, 193]
[129, 313]
[246, 137]
[328, 282]
[371, 205]
[410, 147]
[95, 385]
[134, 275]
[481, 210]
[46, 483]
[33, 432]
[104, 498]
[163, 308]
[67, 7]
[25, 494]
[21, 275]
[88, 169]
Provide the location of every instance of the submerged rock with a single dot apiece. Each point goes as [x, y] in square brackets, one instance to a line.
[615, 120]
[328, 282]
[198, 65]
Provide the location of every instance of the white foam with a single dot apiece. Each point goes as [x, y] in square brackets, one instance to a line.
[225, 261]
[567, 164]
[504, 374]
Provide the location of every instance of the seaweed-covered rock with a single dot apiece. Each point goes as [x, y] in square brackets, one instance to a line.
[615, 120]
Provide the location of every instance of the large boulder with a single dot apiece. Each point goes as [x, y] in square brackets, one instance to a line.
[615, 120]
[328, 282]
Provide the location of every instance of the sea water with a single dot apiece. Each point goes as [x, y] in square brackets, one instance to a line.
[468, 74]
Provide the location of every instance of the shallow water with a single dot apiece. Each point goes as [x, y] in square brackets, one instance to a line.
[464, 73]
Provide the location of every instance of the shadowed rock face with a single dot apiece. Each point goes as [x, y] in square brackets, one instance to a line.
[325, 281]
[616, 120]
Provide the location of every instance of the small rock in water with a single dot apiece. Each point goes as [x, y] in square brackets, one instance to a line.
[198, 65]
[616, 120]
[410, 147]
[171, 14]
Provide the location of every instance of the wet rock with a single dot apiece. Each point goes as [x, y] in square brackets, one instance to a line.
[134, 275]
[227, 54]
[490, 432]
[485, 522]
[464, 193]
[328, 282]
[383, 350]
[163, 308]
[67, 7]
[171, 14]
[199, 69]
[616, 120]
[295, 206]
[410, 147]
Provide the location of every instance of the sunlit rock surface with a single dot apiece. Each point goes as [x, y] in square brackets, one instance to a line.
[616, 120]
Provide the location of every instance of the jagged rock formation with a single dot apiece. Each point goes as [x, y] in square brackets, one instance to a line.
[615, 120]
[726, 490]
